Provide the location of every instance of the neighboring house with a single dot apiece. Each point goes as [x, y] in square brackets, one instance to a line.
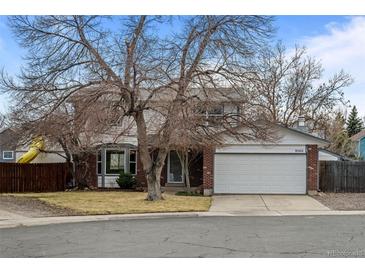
[51, 156]
[10, 151]
[8, 143]
[327, 155]
[359, 140]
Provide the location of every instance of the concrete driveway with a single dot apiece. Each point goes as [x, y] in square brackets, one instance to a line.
[265, 204]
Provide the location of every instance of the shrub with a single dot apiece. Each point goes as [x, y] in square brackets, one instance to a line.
[126, 180]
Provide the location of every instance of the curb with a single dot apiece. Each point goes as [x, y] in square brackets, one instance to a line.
[28, 222]
[11, 223]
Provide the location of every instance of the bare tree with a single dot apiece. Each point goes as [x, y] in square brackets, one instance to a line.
[135, 72]
[2, 121]
[187, 158]
[290, 85]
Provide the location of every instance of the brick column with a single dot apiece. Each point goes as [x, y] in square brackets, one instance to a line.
[312, 168]
[208, 171]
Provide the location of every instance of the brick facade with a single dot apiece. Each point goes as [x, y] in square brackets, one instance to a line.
[312, 168]
[208, 171]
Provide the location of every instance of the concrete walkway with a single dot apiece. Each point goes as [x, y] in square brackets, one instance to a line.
[265, 203]
[6, 216]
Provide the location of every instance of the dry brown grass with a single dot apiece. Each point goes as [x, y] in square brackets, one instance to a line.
[119, 202]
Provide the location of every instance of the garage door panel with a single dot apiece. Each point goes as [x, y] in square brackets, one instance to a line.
[260, 173]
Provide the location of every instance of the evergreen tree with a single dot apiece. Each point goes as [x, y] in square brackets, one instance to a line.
[354, 123]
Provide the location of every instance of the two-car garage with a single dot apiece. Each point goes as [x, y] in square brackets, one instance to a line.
[288, 165]
[260, 173]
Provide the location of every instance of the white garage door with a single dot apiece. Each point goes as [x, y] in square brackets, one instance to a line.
[260, 173]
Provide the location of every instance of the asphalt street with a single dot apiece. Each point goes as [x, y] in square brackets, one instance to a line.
[290, 236]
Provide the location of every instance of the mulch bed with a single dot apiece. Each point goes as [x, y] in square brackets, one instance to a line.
[30, 207]
[342, 201]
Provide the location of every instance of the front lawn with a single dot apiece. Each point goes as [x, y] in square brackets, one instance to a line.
[116, 202]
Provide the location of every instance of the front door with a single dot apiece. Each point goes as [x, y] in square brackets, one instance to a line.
[174, 169]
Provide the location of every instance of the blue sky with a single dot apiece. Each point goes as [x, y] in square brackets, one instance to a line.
[292, 28]
[338, 41]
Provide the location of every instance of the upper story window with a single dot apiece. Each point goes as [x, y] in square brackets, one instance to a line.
[8, 155]
[216, 111]
[214, 115]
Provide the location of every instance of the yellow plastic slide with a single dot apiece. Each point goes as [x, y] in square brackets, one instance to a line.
[35, 148]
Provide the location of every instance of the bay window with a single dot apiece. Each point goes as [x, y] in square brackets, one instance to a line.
[115, 162]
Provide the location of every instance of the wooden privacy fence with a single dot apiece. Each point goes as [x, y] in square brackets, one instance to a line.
[342, 176]
[32, 177]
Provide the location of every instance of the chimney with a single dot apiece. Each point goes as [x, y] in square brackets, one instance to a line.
[302, 126]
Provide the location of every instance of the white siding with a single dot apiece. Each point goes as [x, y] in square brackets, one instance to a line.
[110, 181]
[282, 136]
[261, 149]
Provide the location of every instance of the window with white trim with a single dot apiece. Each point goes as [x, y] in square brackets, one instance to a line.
[99, 162]
[115, 161]
[216, 111]
[8, 155]
[133, 161]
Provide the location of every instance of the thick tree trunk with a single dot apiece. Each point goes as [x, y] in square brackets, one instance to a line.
[153, 184]
[151, 168]
[187, 174]
[70, 161]
[81, 165]
[153, 176]
[73, 172]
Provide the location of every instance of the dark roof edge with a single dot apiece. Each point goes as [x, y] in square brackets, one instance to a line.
[335, 154]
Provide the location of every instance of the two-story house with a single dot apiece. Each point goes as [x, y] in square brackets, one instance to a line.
[288, 165]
